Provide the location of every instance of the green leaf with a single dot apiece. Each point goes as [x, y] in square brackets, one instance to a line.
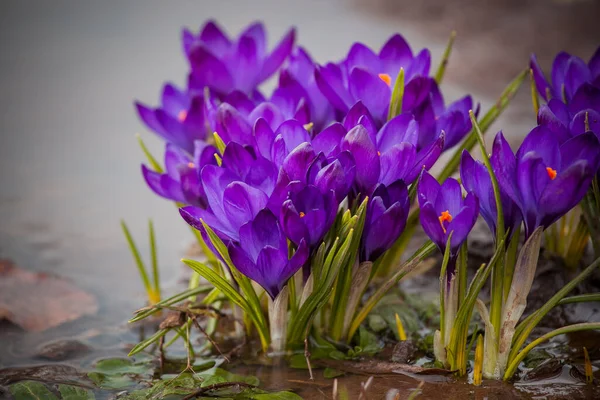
[512, 367]
[330, 373]
[143, 344]
[227, 376]
[153, 163]
[119, 373]
[69, 392]
[121, 366]
[31, 390]
[146, 312]
[397, 96]
[439, 75]
[138, 259]
[484, 123]
[407, 267]
[524, 329]
[225, 287]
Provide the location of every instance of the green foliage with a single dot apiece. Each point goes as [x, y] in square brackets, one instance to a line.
[179, 386]
[119, 373]
[31, 390]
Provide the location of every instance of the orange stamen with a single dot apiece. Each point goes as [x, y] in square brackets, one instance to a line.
[386, 78]
[191, 165]
[182, 115]
[301, 214]
[379, 153]
[445, 216]
[551, 172]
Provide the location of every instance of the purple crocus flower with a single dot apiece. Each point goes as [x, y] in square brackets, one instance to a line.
[303, 167]
[386, 155]
[181, 182]
[262, 253]
[387, 212]
[545, 178]
[369, 77]
[564, 123]
[307, 214]
[434, 117]
[444, 211]
[297, 85]
[223, 65]
[232, 203]
[180, 119]
[476, 179]
[568, 74]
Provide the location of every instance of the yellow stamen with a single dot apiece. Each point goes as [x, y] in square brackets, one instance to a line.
[445, 216]
[386, 78]
[182, 115]
[191, 165]
[400, 328]
[478, 368]
[551, 172]
[301, 214]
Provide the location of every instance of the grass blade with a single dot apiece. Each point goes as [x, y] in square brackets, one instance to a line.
[484, 123]
[439, 75]
[138, 259]
[153, 257]
[586, 326]
[153, 163]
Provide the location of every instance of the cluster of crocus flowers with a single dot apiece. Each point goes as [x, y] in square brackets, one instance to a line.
[289, 162]
[308, 187]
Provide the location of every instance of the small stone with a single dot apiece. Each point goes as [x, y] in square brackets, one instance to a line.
[404, 352]
[62, 350]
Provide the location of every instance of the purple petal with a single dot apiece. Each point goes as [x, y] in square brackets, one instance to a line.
[264, 136]
[463, 222]
[208, 70]
[328, 141]
[360, 56]
[215, 39]
[542, 142]
[450, 197]
[148, 116]
[359, 144]
[565, 192]
[394, 54]
[582, 147]
[504, 164]
[297, 162]
[420, 65]
[428, 189]
[400, 129]
[232, 126]
[330, 81]
[242, 203]
[174, 100]
[538, 76]
[431, 225]
[559, 69]
[278, 55]
[578, 124]
[577, 73]
[397, 163]
[372, 91]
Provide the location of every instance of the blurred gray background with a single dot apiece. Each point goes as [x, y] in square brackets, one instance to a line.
[70, 71]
